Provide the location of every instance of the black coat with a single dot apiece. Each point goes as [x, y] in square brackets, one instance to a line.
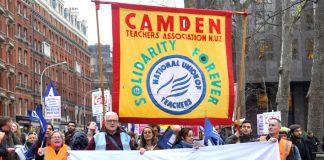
[304, 147]
[9, 141]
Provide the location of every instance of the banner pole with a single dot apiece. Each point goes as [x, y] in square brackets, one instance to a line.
[242, 70]
[100, 64]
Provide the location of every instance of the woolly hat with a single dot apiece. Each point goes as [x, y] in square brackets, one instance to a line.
[79, 141]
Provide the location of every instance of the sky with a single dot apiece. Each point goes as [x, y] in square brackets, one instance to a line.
[87, 12]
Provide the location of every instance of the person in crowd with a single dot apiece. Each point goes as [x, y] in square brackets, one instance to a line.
[41, 143]
[148, 140]
[184, 139]
[56, 149]
[283, 133]
[156, 129]
[304, 146]
[31, 139]
[15, 129]
[8, 140]
[69, 134]
[24, 133]
[314, 140]
[287, 150]
[91, 129]
[79, 141]
[133, 139]
[112, 138]
[242, 136]
[220, 131]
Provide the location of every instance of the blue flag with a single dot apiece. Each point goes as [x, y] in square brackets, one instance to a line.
[167, 139]
[29, 155]
[37, 115]
[212, 138]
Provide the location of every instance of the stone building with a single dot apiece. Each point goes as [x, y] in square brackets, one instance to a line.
[34, 35]
[263, 56]
[106, 67]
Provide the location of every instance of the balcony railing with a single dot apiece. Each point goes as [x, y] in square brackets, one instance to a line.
[2, 92]
[11, 95]
[2, 37]
[10, 19]
[11, 69]
[2, 65]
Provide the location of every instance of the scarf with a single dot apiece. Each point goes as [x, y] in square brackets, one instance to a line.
[50, 153]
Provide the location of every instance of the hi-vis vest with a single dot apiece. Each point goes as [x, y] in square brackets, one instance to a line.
[284, 147]
[2, 135]
[100, 140]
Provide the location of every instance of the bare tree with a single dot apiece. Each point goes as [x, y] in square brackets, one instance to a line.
[283, 93]
[316, 89]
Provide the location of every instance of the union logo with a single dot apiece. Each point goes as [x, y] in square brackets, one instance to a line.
[176, 84]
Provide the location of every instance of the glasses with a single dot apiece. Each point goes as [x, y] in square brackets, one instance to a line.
[56, 137]
[111, 121]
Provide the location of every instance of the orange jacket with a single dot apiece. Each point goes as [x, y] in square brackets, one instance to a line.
[61, 155]
[284, 147]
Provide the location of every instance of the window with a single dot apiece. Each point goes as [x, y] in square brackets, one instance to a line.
[19, 30]
[35, 66]
[19, 79]
[310, 48]
[309, 20]
[25, 107]
[265, 47]
[25, 33]
[18, 8]
[294, 49]
[39, 64]
[44, 30]
[18, 111]
[19, 55]
[25, 57]
[25, 81]
[25, 12]
[36, 86]
[35, 44]
[56, 75]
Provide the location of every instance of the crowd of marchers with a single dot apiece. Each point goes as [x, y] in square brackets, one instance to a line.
[55, 144]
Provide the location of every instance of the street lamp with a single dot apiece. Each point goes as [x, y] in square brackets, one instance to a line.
[41, 87]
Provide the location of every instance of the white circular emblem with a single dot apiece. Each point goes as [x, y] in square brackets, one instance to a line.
[176, 85]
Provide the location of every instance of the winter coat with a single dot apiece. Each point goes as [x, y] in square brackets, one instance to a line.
[183, 144]
[304, 147]
[9, 141]
[243, 139]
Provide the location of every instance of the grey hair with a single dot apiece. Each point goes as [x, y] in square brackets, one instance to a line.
[276, 119]
[108, 114]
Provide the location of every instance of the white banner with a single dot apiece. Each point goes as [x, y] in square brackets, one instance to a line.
[53, 107]
[244, 151]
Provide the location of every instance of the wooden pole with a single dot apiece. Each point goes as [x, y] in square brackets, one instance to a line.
[100, 65]
[242, 70]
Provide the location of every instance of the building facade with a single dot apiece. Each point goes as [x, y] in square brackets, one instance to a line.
[263, 56]
[38, 34]
[106, 67]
